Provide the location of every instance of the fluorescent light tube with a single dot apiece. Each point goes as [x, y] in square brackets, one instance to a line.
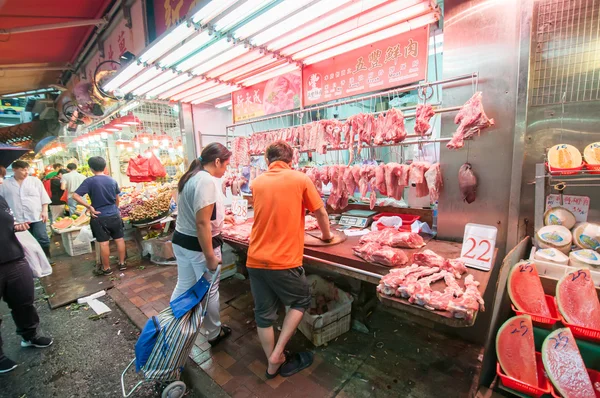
[137, 81]
[320, 24]
[188, 48]
[269, 17]
[216, 89]
[305, 16]
[240, 13]
[236, 63]
[170, 40]
[131, 70]
[178, 89]
[194, 91]
[223, 104]
[220, 60]
[153, 83]
[366, 40]
[204, 55]
[169, 85]
[212, 10]
[268, 74]
[264, 61]
[363, 30]
[209, 97]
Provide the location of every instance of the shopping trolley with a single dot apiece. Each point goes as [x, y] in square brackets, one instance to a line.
[167, 339]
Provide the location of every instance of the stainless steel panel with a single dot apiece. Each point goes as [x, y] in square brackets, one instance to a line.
[480, 36]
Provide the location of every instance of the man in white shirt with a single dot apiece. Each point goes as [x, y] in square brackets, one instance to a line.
[29, 201]
[70, 182]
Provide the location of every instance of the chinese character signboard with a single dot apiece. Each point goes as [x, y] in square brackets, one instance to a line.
[168, 13]
[384, 64]
[276, 95]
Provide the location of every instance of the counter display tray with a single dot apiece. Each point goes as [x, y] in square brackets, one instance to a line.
[149, 221]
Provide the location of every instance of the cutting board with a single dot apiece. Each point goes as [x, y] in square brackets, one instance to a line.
[338, 237]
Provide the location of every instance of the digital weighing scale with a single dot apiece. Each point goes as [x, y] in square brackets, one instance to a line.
[357, 218]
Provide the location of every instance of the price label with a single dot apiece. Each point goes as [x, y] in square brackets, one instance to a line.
[578, 205]
[478, 246]
[239, 207]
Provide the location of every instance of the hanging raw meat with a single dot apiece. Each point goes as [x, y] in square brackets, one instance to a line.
[471, 119]
[416, 178]
[467, 182]
[392, 170]
[380, 182]
[393, 126]
[424, 113]
[433, 176]
[240, 152]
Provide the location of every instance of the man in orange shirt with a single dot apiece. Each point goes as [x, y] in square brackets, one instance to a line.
[281, 197]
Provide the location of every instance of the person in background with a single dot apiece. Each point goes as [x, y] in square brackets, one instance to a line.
[281, 196]
[196, 241]
[16, 287]
[70, 182]
[56, 167]
[106, 220]
[57, 207]
[29, 201]
[2, 174]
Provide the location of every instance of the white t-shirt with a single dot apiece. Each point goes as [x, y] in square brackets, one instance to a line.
[200, 191]
[72, 180]
[25, 200]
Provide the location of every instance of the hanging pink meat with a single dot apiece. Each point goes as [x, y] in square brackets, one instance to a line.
[363, 183]
[402, 173]
[424, 113]
[467, 183]
[379, 137]
[380, 182]
[471, 119]
[335, 194]
[343, 189]
[356, 174]
[366, 136]
[416, 178]
[392, 170]
[394, 126]
[350, 183]
[433, 176]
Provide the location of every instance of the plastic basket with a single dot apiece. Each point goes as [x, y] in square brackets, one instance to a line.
[407, 220]
[321, 329]
[564, 172]
[539, 320]
[594, 377]
[580, 331]
[593, 168]
[75, 249]
[542, 388]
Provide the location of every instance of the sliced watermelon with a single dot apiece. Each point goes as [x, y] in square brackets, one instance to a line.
[577, 299]
[564, 365]
[515, 349]
[63, 224]
[525, 289]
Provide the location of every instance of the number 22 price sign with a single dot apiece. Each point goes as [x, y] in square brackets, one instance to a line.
[478, 246]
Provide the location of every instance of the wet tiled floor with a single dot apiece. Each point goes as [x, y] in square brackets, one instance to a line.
[395, 359]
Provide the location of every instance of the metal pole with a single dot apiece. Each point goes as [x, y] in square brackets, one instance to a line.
[52, 26]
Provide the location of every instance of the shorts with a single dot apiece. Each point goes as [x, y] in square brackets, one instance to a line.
[107, 227]
[270, 288]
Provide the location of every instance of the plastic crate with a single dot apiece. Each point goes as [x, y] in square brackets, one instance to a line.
[321, 329]
[75, 248]
[580, 331]
[564, 172]
[542, 388]
[539, 320]
[594, 377]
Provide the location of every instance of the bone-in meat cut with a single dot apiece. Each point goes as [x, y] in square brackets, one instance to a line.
[433, 176]
[471, 119]
[393, 238]
[373, 252]
[467, 183]
[429, 258]
[240, 152]
[416, 178]
[240, 232]
[424, 113]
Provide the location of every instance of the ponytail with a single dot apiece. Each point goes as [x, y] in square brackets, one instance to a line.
[210, 154]
[194, 169]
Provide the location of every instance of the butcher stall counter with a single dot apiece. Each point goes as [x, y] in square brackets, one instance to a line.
[340, 259]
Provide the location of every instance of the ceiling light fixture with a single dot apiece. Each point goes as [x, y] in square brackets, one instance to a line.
[220, 60]
[357, 32]
[137, 81]
[204, 55]
[223, 104]
[186, 49]
[170, 40]
[194, 91]
[216, 89]
[269, 17]
[209, 97]
[127, 73]
[212, 10]
[268, 74]
[153, 83]
[381, 35]
[169, 85]
[240, 13]
[178, 89]
[264, 61]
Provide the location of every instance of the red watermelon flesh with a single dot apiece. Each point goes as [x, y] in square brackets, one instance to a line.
[515, 349]
[63, 224]
[525, 289]
[577, 299]
[564, 365]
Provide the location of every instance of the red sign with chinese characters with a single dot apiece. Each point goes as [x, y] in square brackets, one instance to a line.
[388, 63]
[279, 94]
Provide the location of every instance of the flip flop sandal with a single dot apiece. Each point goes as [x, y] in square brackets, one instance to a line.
[298, 362]
[225, 332]
[270, 376]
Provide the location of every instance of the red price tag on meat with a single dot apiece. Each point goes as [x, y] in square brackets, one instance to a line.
[478, 246]
[239, 207]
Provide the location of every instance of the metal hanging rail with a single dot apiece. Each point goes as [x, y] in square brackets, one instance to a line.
[404, 89]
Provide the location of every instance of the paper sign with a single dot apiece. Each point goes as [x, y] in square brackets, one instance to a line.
[578, 205]
[387, 63]
[478, 246]
[239, 207]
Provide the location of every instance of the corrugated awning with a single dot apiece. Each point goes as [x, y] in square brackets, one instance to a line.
[230, 44]
[26, 57]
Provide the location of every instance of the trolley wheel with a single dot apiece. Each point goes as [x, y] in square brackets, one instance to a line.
[174, 390]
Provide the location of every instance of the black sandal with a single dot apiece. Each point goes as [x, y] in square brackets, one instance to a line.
[298, 362]
[270, 376]
[225, 332]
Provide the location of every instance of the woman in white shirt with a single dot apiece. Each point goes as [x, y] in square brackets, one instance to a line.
[197, 241]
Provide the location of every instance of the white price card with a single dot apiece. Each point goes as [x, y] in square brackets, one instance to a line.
[578, 205]
[478, 246]
[239, 207]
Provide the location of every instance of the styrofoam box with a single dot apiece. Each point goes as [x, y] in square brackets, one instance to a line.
[557, 271]
[75, 249]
